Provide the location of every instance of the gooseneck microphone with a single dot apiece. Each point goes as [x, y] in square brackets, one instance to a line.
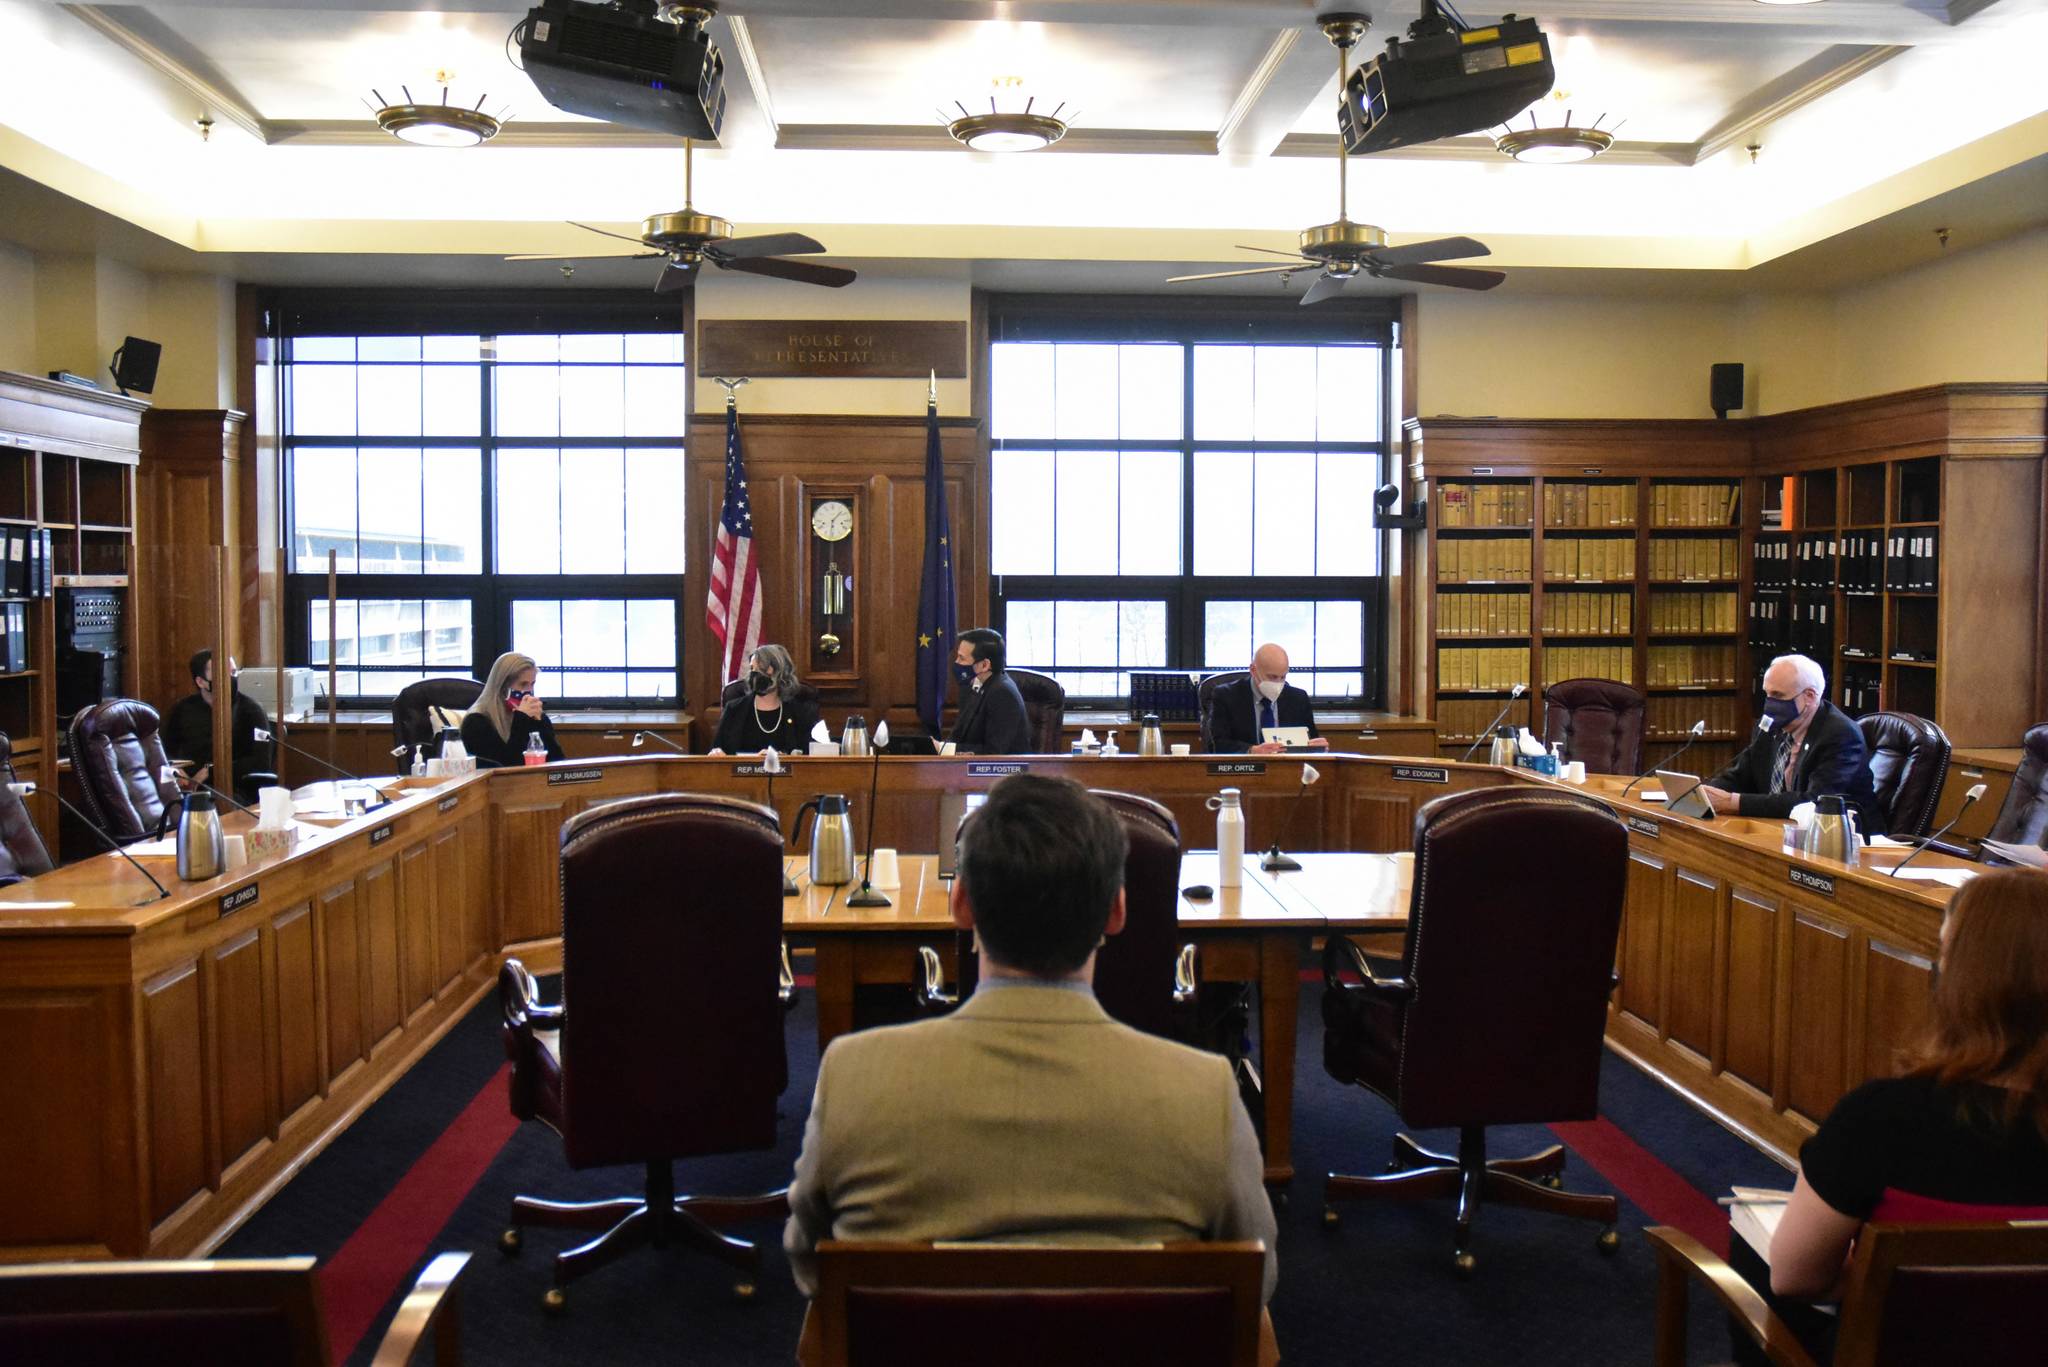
[640, 738]
[1275, 861]
[867, 896]
[1518, 690]
[771, 765]
[112, 844]
[1699, 728]
[326, 763]
[1976, 791]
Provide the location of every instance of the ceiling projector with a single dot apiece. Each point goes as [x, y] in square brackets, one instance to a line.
[624, 65]
[1446, 79]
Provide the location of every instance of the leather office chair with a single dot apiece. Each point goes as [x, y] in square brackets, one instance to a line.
[1495, 1013]
[2023, 820]
[1913, 1294]
[119, 760]
[201, 1314]
[413, 726]
[668, 1041]
[1599, 722]
[1045, 707]
[1193, 1305]
[22, 852]
[1908, 764]
[1205, 693]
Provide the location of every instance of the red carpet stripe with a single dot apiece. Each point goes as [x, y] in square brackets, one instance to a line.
[367, 1271]
[1643, 1178]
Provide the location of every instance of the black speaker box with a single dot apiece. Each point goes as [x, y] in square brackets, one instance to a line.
[135, 365]
[1724, 389]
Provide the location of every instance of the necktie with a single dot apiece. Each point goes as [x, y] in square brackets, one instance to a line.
[1782, 764]
[1266, 715]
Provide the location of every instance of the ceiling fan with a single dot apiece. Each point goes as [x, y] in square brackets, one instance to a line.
[688, 239]
[1343, 251]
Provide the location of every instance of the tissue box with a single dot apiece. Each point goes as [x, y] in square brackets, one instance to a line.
[263, 843]
[1542, 764]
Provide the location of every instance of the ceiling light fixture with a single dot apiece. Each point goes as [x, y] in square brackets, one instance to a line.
[1788, 2]
[1556, 145]
[999, 130]
[436, 125]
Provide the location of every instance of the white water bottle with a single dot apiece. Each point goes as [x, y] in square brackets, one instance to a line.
[1229, 838]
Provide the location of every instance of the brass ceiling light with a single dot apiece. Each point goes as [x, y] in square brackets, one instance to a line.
[436, 125]
[1557, 144]
[1000, 130]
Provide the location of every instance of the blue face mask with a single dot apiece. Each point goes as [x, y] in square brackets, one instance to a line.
[1782, 712]
[965, 674]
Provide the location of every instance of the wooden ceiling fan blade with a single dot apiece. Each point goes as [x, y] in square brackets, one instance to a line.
[1458, 277]
[586, 256]
[1269, 251]
[604, 232]
[675, 276]
[1438, 249]
[1325, 287]
[766, 244]
[1225, 275]
[804, 272]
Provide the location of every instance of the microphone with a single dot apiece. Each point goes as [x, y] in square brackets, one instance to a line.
[325, 763]
[1976, 791]
[771, 765]
[1518, 691]
[171, 774]
[1692, 738]
[1275, 861]
[641, 738]
[867, 896]
[113, 844]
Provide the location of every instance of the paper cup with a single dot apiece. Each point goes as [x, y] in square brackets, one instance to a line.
[1183, 748]
[1575, 772]
[883, 872]
[237, 851]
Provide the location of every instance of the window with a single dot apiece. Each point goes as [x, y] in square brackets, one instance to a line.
[537, 476]
[1170, 504]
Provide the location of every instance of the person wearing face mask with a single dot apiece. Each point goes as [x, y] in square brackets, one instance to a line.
[1809, 748]
[1241, 710]
[777, 712]
[188, 729]
[992, 718]
[506, 713]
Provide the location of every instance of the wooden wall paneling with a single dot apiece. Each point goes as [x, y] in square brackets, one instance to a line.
[384, 1007]
[340, 937]
[526, 879]
[1896, 1002]
[420, 973]
[1378, 822]
[240, 1044]
[55, 1054]
[173, 1030]
[472, 840]
[1816, 1022]
[1643, 919]
[1990, 555]
[188, 502]
[300, 1026]
[1692, 971]
[1748, 1002]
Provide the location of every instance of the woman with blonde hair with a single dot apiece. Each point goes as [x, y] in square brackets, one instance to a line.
[506, 713]
[777, 710]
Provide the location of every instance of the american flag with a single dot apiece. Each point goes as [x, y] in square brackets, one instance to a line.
[733, 612]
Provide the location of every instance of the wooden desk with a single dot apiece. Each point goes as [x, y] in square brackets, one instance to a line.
[1252, 933]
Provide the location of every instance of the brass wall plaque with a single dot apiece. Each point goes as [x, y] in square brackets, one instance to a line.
[832, 348]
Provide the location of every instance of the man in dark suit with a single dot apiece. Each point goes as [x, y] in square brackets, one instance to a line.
[1810, 748]
[992, 719]
[1241, 710]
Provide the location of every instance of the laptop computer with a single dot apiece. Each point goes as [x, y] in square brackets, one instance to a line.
[953, 809]
[910, 745]
[1682, 795]
[1293, 737]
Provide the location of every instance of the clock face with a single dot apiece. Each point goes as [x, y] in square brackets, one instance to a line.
[832, 521]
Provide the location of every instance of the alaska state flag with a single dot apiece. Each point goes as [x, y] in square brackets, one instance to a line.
[935, 603]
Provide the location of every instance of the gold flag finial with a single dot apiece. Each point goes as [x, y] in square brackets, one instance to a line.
[932, 393]
[731, 388]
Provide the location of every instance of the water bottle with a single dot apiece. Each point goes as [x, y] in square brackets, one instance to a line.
[1229, 838]
[202, 848]
[536, 749]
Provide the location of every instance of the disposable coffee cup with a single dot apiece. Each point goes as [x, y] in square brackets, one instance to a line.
[1182, 748]
[884, 873]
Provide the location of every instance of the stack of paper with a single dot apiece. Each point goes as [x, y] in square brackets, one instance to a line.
[1753, 1215]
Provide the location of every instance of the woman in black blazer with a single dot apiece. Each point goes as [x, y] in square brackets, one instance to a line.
[777, 711]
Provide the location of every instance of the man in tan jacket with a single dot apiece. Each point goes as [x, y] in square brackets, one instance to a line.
[1028, 1115]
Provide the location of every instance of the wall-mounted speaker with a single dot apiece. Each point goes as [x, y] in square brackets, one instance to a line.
[1724, 388]
[135, 364]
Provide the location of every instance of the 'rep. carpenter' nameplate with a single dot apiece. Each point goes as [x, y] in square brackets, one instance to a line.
[1644, 826]
[241, 897]
[1422, 773]
[996, 769]
[1237, 766]
[1813, 882]
[575, 776]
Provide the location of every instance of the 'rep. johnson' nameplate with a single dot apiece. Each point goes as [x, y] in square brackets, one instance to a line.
[1422, 773]
[241, 897]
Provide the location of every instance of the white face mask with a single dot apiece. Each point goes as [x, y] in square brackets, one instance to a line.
[1269, 689]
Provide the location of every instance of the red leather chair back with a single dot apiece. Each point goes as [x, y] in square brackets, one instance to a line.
[1045, 707]
[1908, 764]
[2023, 820]
[671, 934]
[119, 759]
[1512, 926]
[22, 852]
[1599, 722]
[1134, 970]
[1205, 697]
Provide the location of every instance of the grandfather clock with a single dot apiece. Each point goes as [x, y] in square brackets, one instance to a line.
[832, 555]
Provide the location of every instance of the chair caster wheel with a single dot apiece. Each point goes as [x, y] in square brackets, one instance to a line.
[1608, 1242]
[743, 1291]
[1330, 1218]
[510, 1242]
[1464, 1264]
[1278, 1198]
[556, 1302]
[1555, 1181]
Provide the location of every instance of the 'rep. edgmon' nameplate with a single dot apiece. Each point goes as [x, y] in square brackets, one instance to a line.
[1422, 773]
[1813, 882]
[241, 897]
[574, 776]
[1237, 766]
[1644, 826]
[832, 348]
[996, 768]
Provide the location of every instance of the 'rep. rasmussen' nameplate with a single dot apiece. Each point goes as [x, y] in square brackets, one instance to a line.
[832, 348]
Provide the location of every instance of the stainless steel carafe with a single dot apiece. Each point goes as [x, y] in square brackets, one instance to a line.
[1502, 750]
[831, 838]
[202, 848]
[1150, 740]
[1832, 834]
[854, 740]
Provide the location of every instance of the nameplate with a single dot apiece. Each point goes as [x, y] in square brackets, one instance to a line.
[1237, 767]
[1813, 882]
[832, 348]
[991, 769]
[1644, 826]
[575, 776]
[241, 897]
[380, 835]
[1422, 773]
[759, 770]
[449, 804]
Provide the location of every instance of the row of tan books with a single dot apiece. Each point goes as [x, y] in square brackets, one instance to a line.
[1692, 666]
[1487, 559]
[1693, 558]
[1671, 718]
[1465, 668]
[1692, 612]
[1589, 505]
[1589, 662]
[1459, 721]
[1591, 558]
[1482, 505]
[1482, 614]
[1694, 505]
[1588, 614]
